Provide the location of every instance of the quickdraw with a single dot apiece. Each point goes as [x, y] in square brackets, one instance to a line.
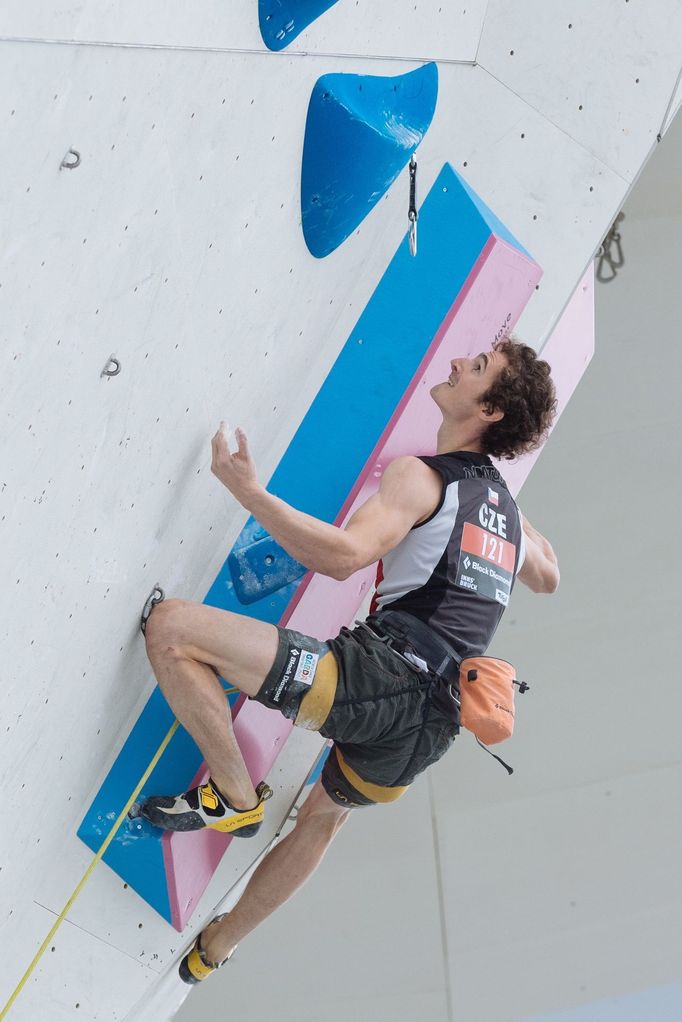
[606, 253]
[412, 214]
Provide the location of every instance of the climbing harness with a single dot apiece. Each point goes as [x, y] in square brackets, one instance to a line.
[412, 214]
[108, 371]
[479, 689]
[611, 253]
[415, 643]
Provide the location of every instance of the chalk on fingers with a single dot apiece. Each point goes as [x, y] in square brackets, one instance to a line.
[230, 440]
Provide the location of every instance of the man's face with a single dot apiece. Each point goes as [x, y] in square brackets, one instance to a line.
[459, 397]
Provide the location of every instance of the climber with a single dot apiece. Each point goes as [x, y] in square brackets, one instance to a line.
[450, 542]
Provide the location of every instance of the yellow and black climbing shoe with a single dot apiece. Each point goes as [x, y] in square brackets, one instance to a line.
[195, 966]
[205, 806]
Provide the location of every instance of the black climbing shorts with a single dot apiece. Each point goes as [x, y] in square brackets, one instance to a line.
[388, 721]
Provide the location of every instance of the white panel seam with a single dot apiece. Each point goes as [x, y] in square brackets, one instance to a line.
[236, 50]
[480, 38]
[668, 109]
[441, 909]
[611, 221]
[100, 940]
[558, 127]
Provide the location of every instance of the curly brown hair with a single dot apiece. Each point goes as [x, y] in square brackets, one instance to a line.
[524, 391]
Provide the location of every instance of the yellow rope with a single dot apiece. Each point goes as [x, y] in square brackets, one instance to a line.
[107, 841]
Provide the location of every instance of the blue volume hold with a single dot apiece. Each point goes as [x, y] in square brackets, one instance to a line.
[360, 133]
[261, 568]
[282, 20]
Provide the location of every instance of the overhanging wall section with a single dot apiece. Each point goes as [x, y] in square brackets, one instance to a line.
[176, 246]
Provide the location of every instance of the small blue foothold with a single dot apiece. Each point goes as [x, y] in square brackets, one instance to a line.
[360, 132]
[261, 568]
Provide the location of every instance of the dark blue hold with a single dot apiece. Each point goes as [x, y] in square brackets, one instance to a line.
[360, 133]
[282, 20]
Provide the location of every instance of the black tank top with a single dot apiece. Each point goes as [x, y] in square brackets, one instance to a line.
[456, 570]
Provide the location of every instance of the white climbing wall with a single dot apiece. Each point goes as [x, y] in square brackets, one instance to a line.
[176, 246]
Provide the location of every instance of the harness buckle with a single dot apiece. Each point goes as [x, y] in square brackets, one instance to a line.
[412, 658]
[407, 655]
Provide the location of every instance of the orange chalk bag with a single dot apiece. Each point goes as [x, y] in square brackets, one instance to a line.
[486, 692]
